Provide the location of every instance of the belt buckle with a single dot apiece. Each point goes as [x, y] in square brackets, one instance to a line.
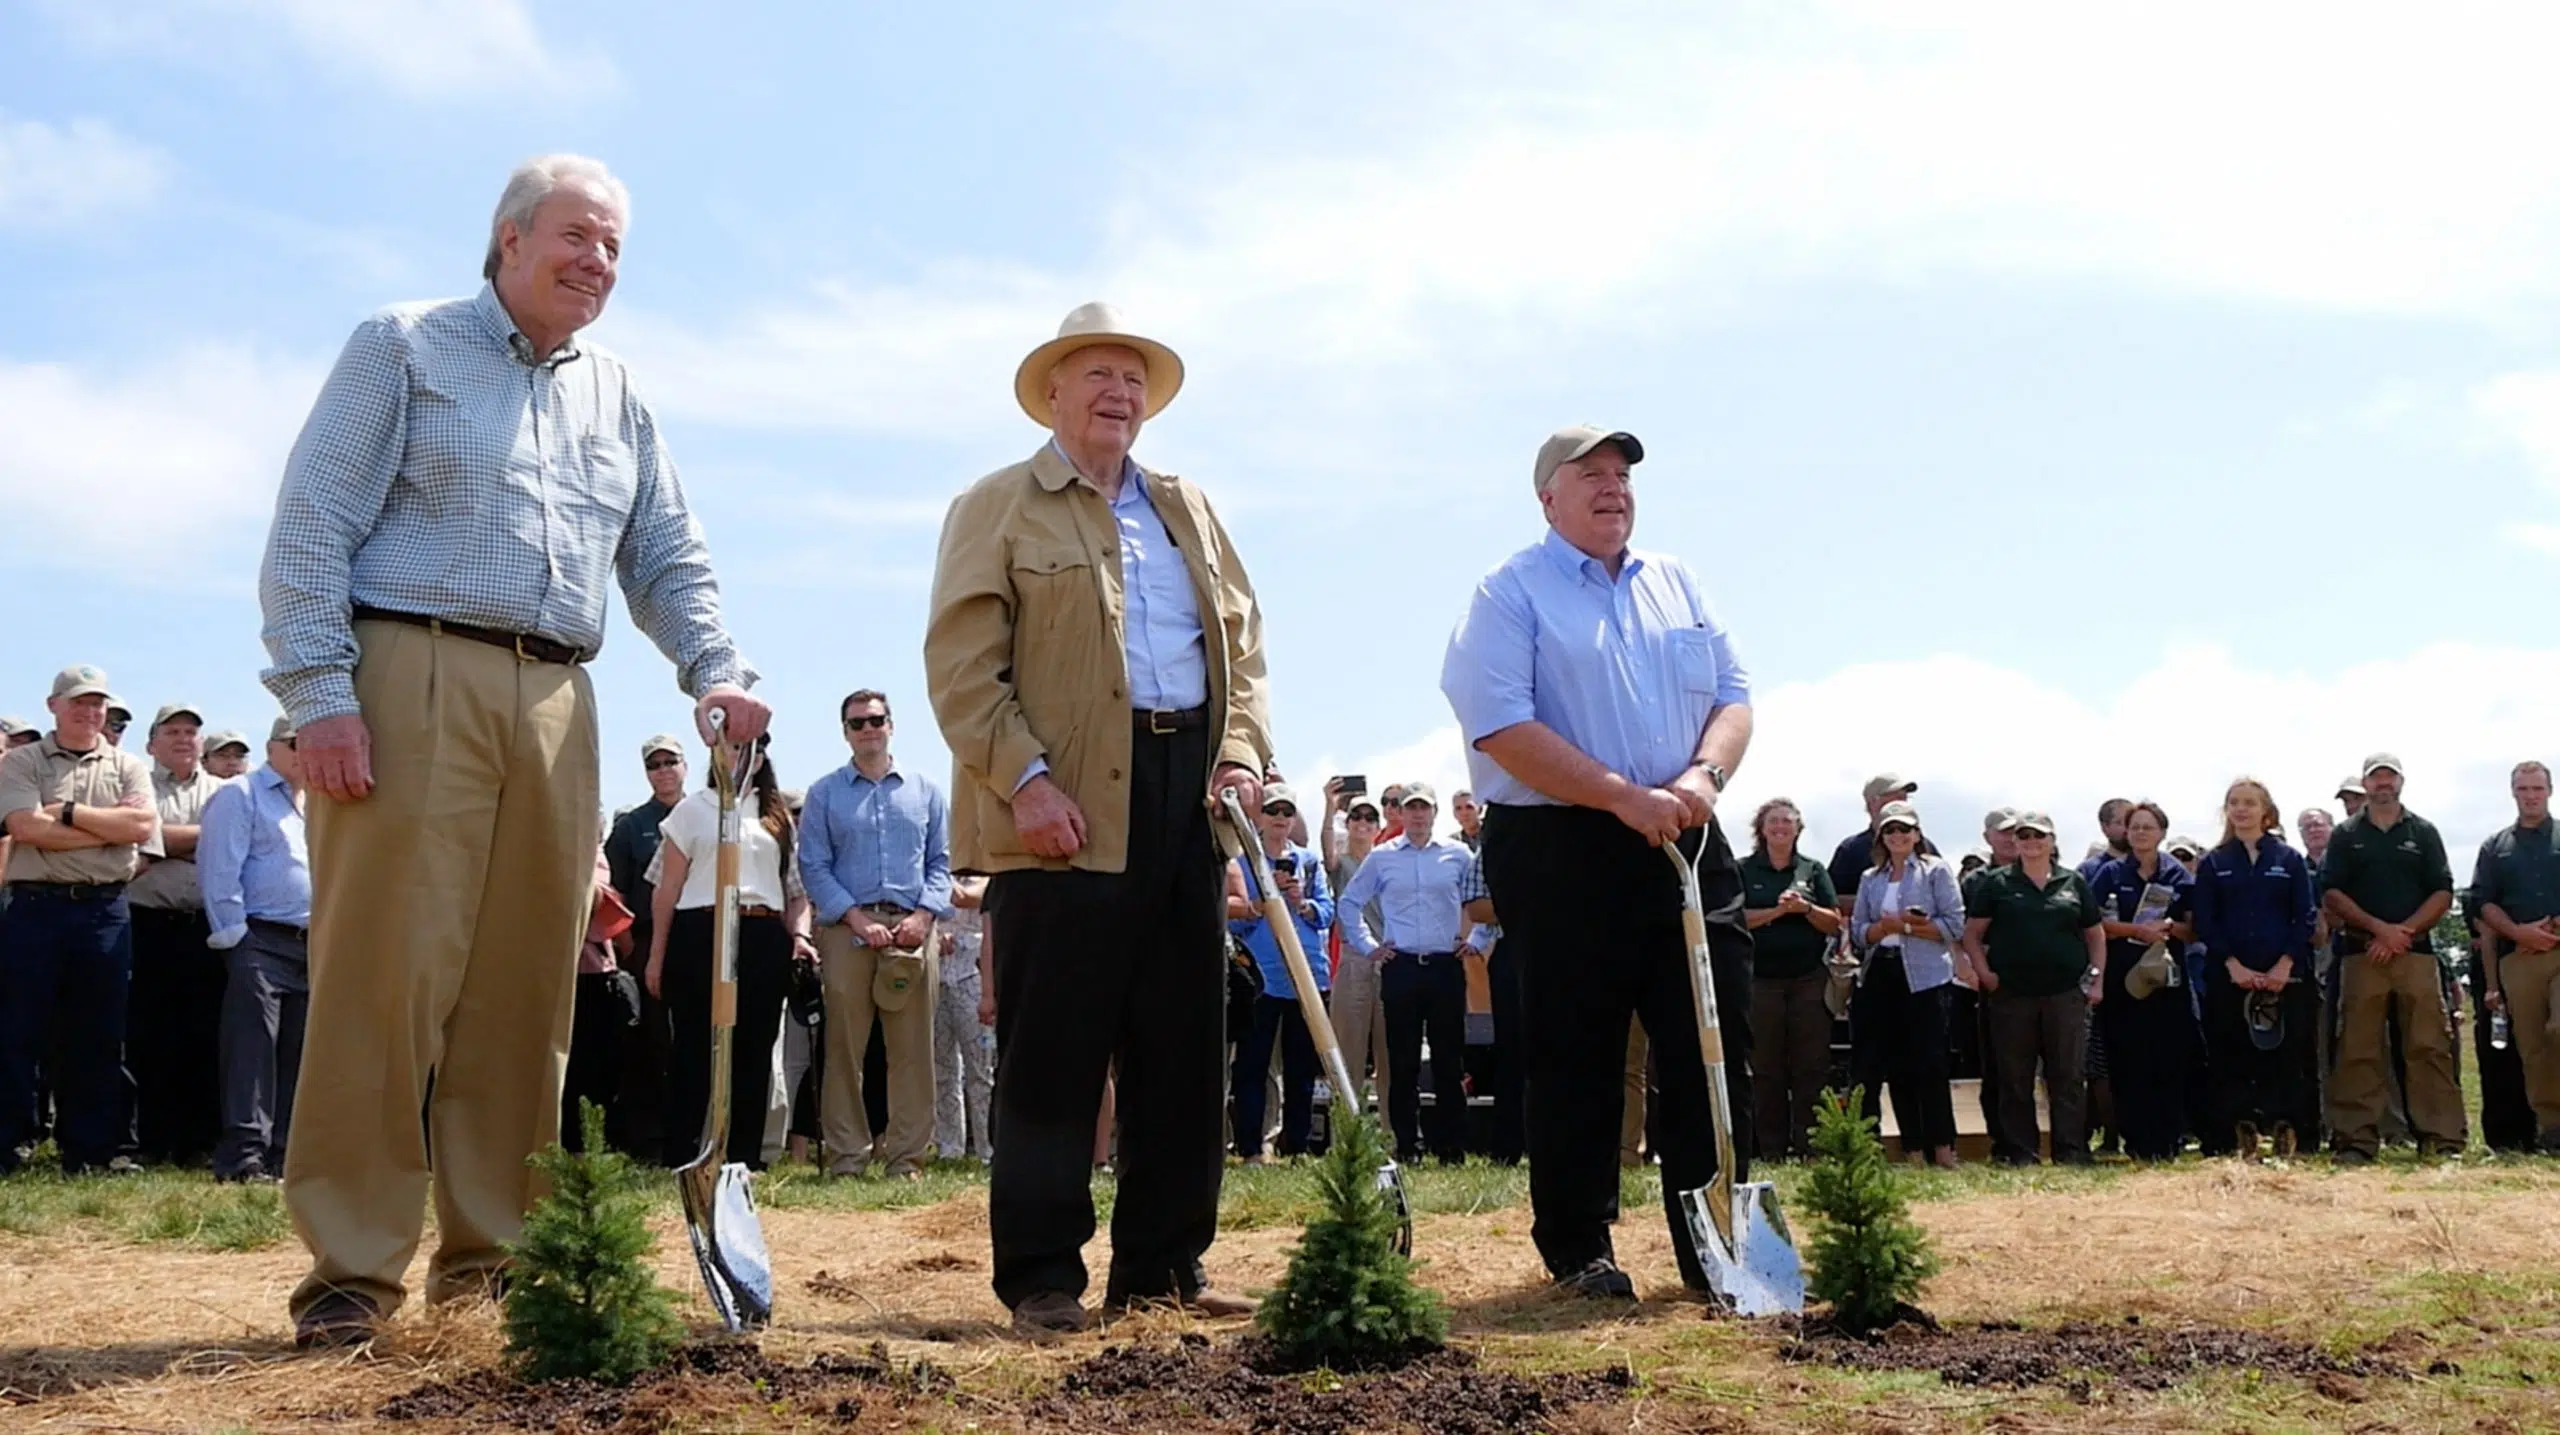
[1160, 721]
[517, 644]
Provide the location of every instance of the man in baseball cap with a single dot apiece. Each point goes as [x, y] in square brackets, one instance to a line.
[2387, 881]
[18, 732]
[173, 1022]
[636, 1120]
[226, 753]
[80, 818]
[1570, 445]
[1849, 859]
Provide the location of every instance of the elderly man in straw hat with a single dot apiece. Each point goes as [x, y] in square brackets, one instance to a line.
[1094, 655]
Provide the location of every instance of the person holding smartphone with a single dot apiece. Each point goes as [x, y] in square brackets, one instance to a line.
[1908, 918]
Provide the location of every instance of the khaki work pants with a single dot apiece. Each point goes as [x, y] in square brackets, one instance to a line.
[2367, 997]
[851, 975]
[1360, 1026]
[447, 910]
[1631, 1116]
[2530, 980]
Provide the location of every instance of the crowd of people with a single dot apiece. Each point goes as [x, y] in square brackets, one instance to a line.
[338, 970]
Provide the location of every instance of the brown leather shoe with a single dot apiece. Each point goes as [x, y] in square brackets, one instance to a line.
[1049, 1315]
[337, 1319]
[1214, 1304]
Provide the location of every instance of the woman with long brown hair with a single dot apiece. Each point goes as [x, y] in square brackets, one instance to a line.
[1792, 911]
[1908, 920]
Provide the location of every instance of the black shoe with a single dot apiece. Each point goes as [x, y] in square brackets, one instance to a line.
[248, 1173]
[1048, 1315]
[1600, 1280]
[2548, 1143]
[2354, 1156]
[337, 1319]
[115, 1166]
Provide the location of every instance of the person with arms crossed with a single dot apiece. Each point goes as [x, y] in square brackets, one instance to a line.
[1604, 708]
[471, 480]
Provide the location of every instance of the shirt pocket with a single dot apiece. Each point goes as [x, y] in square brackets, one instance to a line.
[1052, 583]
[1693, 660]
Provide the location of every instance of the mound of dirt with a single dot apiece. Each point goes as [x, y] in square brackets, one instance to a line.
[706, 1379]
[2078, 1354]
[1194, 1385]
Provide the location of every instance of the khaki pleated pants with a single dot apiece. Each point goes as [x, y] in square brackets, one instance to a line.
[447, 909]
[846, 971]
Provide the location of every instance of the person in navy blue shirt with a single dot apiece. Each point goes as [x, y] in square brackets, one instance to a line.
[1277, 1017]
[2253, 906]
[2149, 1039]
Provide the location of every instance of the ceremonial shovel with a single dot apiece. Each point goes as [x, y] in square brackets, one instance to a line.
[1284, 930]
[1741, 1236]
[719, 1207]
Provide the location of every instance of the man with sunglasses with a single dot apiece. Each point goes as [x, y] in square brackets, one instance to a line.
[119, 718]
[636, 1121]
[256, 869]
[875, 859]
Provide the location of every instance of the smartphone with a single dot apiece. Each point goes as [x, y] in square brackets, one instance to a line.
[1354, 785]
[1920, 912]
[1285, 865]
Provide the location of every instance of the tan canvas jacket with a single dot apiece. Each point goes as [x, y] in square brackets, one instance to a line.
[1025, 654]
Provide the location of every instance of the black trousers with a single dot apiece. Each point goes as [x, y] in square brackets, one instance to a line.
[636, 1123]
[2151, 1046]
[1594, 915]
[2506, 1118]
[173, 1036]
[1426, 994]
[1276, 1022]
[1899, 1036]
[608, 1006]
[764, 978]
[1125, 971]
[1506, 1073]
[2259, 1087]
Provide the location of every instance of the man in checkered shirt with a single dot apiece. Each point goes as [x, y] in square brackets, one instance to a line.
[434, 584]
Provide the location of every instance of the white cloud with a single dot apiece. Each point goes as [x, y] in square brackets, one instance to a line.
[1531, 185]
[421, 48]
[1977, 735]
[178, 457]
[54, 176]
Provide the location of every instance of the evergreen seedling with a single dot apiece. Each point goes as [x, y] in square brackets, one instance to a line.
[581, 1299]
[1869, 1259]
[1348, 1299]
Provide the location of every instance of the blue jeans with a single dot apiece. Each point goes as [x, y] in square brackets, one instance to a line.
[64, 969]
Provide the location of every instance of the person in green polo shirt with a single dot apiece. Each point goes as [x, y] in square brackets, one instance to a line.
[2032, 929]
[2516, 891]
[2387, 882]
[1790, 906]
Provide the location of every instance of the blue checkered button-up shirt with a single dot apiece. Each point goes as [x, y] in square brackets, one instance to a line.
[448, 471]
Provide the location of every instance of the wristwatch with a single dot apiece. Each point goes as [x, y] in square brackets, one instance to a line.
[67, 805]
[1715, 772]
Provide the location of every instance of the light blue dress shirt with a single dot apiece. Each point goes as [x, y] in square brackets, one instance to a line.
[1255, 932]
[251, 860]
[865, 843]
[1627, 670]
[1416, 889]
[448, 471]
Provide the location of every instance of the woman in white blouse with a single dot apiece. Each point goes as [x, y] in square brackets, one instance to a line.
[679, 972]
[1908, 920]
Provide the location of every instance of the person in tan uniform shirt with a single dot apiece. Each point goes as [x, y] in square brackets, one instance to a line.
[173, 1016]
[80, 817]
[1094, 655]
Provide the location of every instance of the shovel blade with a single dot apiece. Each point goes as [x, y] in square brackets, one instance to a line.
[728, 1243]
[1391, 1182]
[1757, 1272]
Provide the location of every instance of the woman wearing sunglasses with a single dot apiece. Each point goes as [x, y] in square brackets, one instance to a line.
[1907, 920]
[2032, 929]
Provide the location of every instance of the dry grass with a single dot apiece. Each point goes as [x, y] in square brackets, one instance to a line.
[2462, 1263]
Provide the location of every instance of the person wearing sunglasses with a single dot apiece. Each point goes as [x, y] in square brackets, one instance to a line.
[119, 718]
[636, 1121]
[1276, 1016]
[2032, 931]
[1908, 919]
[875, 856]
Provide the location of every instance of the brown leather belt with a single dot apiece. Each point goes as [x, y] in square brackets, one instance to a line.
[527, 647]
[758, 912]
[1159, 721]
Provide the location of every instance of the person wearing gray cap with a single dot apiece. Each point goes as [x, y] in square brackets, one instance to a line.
[1604, 708]
[2039, 953]
[173, 1021]
[474, 480]
[18, 732]
[1849, 861]
[80, 819]
[226, 754]
[2387, 881]
[256, 868]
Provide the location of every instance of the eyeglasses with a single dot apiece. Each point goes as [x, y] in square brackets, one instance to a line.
[118, 724]
[1279, 809]
[664, 761]
[1891, 828]
[859, 721]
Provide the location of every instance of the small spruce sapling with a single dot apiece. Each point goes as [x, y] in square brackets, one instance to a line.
[1869, 1258]
[581, 1299]
[1348, 1299]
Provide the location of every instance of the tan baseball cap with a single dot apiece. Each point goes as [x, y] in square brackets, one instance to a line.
[282, 729]
[12, 725]
[1886, 784]
[1998, 819]
[2032, 822]
[1897, 812]
[1419, 792]
[226, 738]
[170, 710]
[1567, 444]
[2378, 762]
[1275, 793]
[663, 742]
[79, 680]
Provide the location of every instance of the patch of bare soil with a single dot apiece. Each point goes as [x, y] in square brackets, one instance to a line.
[1195, 1385]
[2077, 1355]
[708, 1379]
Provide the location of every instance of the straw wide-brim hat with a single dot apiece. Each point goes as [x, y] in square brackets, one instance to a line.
[1087, 325]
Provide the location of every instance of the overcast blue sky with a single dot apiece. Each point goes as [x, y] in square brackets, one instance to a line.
[2055, 405]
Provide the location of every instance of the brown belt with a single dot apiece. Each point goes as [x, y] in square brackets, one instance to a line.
[758, 912]
[527, 647]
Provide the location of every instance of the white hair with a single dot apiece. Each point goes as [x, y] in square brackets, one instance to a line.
[535, 180]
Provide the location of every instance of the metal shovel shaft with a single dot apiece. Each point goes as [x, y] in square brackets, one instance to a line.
[1702, 994]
